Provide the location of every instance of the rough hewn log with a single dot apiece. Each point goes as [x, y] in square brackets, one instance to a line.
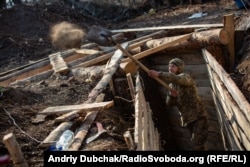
[108, 73]
[199, 39]
[160, 47]
[82, 131]
[127, 67]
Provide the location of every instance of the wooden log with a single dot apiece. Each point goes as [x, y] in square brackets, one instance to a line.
[15, 151]
[108, 73]
[211, 37]
[109, 55]
[82, 131]
[159, 48]
[200, 39]
[128, 67]
[55, 134]
[67, 117]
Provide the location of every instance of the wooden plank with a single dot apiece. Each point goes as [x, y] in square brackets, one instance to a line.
[86, 51]
[159, 48]
[143, 109]
[138, 115]
[228, 132]
[229, 83]
[169, 27]
[108, 55]
[236, 118]
[83, 107]
[58, 64]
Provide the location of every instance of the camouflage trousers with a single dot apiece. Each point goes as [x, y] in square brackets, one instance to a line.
[199, 132]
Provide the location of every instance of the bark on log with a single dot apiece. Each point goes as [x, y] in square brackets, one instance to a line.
[127, 67]
[160, 47]
[211, 37]
[204, 38]
[82, 131]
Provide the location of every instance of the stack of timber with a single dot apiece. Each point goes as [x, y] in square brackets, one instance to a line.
[225, 104]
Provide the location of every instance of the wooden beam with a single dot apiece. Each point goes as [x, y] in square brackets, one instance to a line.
[82, 131]
[159, 48]
[109, 55]
[67, 108]
[169, 27]
[229, 27]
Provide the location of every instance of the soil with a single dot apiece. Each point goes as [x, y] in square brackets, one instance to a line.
[24, 34]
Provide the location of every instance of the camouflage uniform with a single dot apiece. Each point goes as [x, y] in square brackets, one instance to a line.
[188, 102]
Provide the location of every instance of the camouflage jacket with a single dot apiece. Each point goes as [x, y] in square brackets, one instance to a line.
[188, 102]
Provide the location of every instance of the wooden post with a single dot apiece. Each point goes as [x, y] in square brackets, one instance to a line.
[131, 86]
[14, 150]
[129, 141]
[229, 27]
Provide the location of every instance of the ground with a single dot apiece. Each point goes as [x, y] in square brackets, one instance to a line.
[24, 38]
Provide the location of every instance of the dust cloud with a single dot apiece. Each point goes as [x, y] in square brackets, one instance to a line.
[66, 35]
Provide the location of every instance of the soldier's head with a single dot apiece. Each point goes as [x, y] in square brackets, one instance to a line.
[176, 66]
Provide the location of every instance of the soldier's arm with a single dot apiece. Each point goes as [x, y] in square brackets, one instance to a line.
[181, 79]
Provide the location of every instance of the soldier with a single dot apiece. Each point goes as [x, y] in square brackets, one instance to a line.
[184, 96]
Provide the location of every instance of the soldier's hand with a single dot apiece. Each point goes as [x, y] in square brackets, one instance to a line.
[153, 73]
[174, 93]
